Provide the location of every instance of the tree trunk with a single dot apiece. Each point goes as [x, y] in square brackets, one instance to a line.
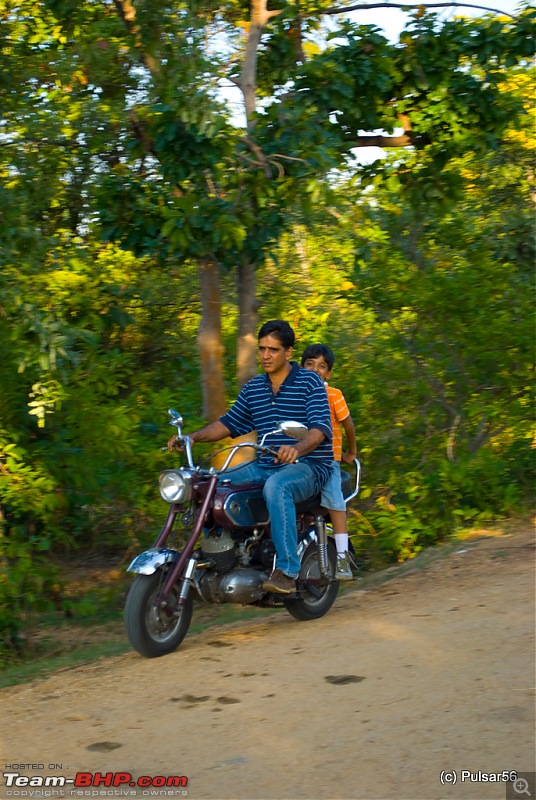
[248, 307]
[259, 16]
[209, 341]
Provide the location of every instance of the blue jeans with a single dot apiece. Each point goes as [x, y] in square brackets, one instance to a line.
[283, 488]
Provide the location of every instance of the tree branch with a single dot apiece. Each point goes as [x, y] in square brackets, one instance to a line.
[452, 437]
[42, 142]
[257, 151]
[383, 141]
[409, 6]
[126, 11]
[484, 434]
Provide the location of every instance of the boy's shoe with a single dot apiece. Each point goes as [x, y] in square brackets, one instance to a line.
[280, 583]
[344, 572]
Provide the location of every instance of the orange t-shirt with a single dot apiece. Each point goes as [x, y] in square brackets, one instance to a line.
[339, 411]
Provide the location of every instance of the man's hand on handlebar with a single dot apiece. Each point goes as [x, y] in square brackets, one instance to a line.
[175, 443]
[287, 454]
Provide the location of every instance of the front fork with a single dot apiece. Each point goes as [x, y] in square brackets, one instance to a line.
[186, 563]
[187, 580]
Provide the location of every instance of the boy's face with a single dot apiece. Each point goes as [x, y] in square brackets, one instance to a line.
[319, 366]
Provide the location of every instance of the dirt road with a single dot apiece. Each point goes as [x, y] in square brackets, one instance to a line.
[429, 673]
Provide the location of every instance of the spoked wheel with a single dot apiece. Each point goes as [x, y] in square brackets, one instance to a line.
[151, 630]
[316, 600]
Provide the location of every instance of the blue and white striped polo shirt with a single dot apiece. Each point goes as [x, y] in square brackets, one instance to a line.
[301, 397]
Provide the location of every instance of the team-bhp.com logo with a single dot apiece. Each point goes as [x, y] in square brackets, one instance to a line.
[85, 784]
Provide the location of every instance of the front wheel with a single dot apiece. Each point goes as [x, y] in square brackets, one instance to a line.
[309, 604]
[151, 630]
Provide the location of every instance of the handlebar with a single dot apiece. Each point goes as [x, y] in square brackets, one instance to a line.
[186, 443]
[259, 447]
[293, 429]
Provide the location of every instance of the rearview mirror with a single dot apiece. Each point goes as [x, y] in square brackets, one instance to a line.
[294, 429]
[176, 418]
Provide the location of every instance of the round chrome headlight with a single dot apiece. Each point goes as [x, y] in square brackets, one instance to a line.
[175, 486]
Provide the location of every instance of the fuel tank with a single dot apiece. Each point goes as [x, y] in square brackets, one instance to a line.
[240, 505]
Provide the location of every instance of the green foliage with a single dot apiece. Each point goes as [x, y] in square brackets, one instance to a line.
[87, 361]
[428, 306]
[26, 586]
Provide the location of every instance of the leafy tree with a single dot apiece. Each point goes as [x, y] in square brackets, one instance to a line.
[134, 88]
[133, 202]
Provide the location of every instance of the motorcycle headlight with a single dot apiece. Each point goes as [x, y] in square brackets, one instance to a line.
[175, 486]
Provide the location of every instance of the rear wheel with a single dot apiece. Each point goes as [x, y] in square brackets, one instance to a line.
[152, 630]
[314, 601]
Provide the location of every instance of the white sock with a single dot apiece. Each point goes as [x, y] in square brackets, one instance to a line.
[341, 543]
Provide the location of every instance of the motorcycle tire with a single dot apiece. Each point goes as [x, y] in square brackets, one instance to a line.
[150, 629]
[306, 606]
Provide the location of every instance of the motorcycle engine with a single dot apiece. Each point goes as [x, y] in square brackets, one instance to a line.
[243, 585]
[225, 582]
[220, 547]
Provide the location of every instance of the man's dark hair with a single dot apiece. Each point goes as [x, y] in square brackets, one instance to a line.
[319, 351]
[280, 330]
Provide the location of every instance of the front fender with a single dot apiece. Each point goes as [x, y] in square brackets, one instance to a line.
[149, 561]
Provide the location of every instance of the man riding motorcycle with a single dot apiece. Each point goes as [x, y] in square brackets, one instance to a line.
[283, 391]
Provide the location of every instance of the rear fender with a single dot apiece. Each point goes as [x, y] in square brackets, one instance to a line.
[151, 560]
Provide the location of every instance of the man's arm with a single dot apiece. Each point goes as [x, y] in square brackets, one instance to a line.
[349, 429]
[212, 432]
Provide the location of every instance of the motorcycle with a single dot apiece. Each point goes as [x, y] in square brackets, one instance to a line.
[228, 552]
